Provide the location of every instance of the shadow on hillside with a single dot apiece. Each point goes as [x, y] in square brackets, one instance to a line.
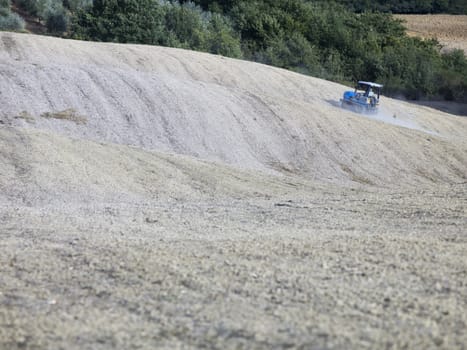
[455, 108]
[335, 103]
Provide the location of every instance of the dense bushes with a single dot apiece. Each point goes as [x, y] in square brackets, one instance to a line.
[394, 6]
[327, 40]
[453, 77]
[158, 23]
[55, 14]
[5, 7]
[407, 6]
[56, 20]
[9, 20]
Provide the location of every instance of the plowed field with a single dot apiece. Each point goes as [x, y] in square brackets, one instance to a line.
[450, 30]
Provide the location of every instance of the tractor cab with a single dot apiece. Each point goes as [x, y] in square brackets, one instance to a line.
[365, 97]
[370, 89]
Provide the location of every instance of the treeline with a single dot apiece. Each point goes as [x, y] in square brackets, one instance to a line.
[55, 15]
[323, 39]
[455, 7]
[8, 19]
[392, 6]
[157, 23]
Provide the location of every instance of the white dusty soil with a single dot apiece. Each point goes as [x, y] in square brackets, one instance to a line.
[160, 198]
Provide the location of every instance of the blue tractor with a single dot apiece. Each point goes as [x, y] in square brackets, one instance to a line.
[364, 99]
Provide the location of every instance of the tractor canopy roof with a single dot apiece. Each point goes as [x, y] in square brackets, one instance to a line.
[367, 83]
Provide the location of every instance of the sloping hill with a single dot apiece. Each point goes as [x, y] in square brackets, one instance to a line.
[161, 198]
[225, 110]
[110, 246]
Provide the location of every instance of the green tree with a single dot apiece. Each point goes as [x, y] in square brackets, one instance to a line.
[56, 19]
[222, 39]
[187, 24]
[9, 20]
[125, 21]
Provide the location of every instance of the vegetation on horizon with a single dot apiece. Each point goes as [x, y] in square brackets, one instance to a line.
[455, 7]
[8, 19]
[325, 39]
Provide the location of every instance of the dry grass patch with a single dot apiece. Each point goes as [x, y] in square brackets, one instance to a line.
[449, 30]
[355, 177]
[26, 116]
[67, 114]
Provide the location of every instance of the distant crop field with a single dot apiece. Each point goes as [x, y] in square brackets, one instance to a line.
[450, 30]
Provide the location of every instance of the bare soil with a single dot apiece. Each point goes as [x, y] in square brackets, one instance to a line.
[214, 203]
